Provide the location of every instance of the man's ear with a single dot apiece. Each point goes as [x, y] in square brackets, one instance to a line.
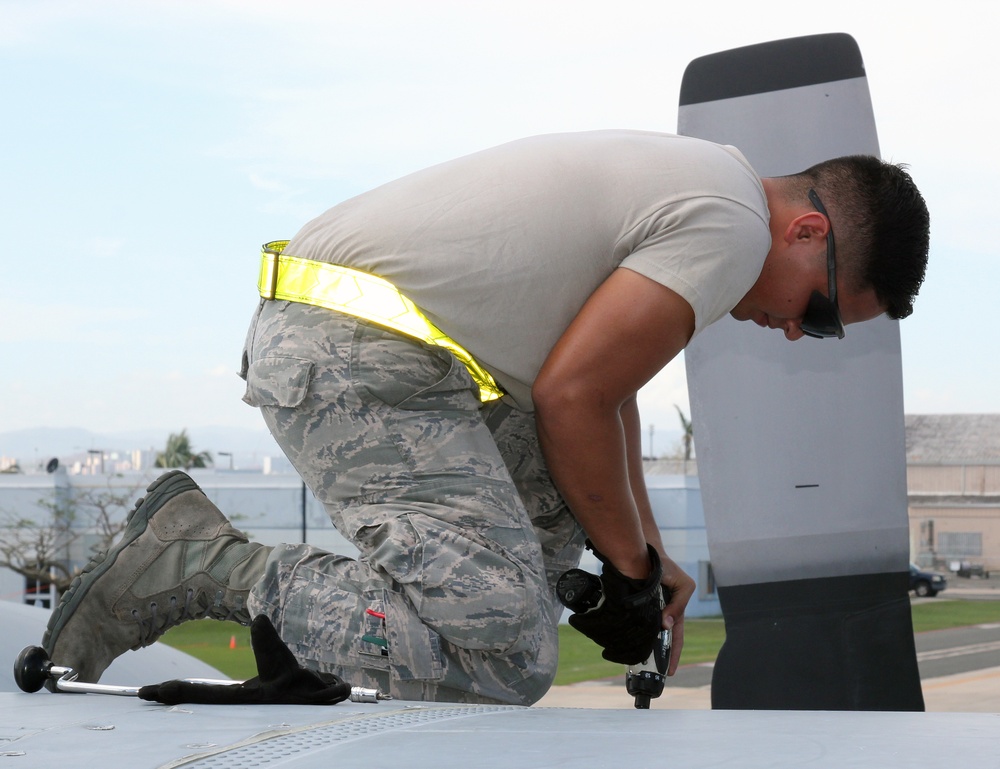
[807, 226]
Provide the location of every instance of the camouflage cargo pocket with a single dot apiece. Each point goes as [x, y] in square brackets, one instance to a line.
[278, 381]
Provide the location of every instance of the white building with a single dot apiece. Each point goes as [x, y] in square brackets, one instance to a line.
[275, 508]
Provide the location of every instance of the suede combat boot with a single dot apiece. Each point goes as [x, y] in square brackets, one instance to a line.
[179, 558]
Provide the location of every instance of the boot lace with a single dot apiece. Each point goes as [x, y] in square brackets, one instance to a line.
[175, 613]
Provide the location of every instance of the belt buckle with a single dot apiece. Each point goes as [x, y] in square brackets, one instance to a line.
[267, 283]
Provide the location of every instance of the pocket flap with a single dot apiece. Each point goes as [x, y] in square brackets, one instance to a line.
[278, 381]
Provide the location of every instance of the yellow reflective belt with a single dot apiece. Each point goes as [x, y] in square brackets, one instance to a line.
[362, 295]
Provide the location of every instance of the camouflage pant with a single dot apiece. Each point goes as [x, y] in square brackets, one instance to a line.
[460, 529]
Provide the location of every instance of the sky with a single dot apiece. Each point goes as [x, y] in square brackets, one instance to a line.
[149, 148]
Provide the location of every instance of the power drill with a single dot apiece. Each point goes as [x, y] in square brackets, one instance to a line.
[580, 592]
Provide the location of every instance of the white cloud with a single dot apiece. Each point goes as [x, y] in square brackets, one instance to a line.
[105, 248]
[84, 323]
[221, 371]
[267, 185]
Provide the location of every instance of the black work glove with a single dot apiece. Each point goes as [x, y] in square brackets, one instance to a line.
[630, 617]
[280, 680]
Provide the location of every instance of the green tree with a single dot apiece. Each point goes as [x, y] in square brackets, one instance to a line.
[180, 453]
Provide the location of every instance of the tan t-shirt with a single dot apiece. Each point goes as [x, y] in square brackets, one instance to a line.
[502, 248]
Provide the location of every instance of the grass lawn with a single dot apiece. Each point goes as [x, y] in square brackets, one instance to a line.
[579, 659]
[937, 614]
[223, 645]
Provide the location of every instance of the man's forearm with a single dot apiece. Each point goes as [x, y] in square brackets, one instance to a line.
[632, 428]
[585, 449]
[630, 327]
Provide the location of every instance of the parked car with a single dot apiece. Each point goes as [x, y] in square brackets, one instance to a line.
[926, 583]
[968, 570]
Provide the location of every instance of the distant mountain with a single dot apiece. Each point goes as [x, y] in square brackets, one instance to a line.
[38, 444]
[34, 447]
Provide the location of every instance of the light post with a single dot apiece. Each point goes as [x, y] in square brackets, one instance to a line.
[304, 520]
[227, 454]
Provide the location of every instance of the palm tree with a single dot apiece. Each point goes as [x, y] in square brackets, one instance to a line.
[688, 439]
[179, 453]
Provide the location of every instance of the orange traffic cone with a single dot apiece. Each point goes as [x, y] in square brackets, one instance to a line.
[232, 642]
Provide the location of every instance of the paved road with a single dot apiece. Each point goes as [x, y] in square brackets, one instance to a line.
[959, 668]
[939, 652]
[958, 650]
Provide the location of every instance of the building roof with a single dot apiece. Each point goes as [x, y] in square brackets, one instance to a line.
[952, 437]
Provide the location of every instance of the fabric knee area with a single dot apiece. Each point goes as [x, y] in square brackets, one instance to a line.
[476, 596]
[339, 616]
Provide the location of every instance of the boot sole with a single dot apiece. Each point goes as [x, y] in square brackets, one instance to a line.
[159, 492]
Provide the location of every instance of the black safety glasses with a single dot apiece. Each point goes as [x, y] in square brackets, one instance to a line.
[822, 318]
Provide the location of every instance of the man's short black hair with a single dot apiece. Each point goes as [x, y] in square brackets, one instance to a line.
[880, 217]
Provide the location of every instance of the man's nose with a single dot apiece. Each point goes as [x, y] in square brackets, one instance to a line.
[793, 330]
